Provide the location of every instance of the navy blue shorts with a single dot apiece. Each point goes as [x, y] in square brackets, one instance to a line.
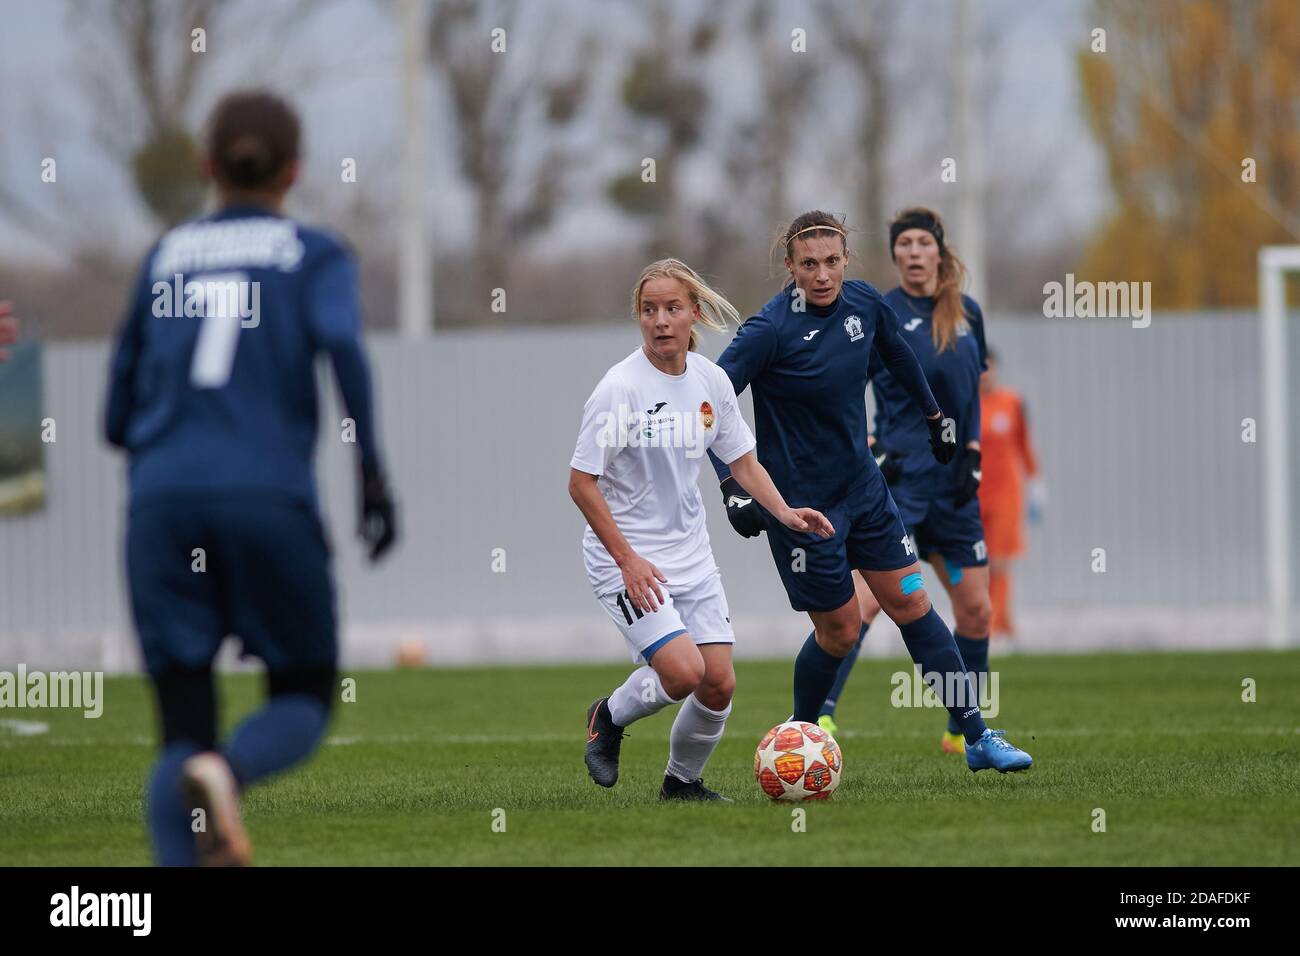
[937, 525]
[266, 580]
[869, 536]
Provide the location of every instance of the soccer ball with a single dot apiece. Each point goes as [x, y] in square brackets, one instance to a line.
[798, 761]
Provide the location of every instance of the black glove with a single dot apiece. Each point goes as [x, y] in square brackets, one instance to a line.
[744, 513]
[889, 462]
[968, 480]
[378, 526]
[943, 441]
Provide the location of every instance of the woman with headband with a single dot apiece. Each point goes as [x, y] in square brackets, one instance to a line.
[807, 353]
[938, 503]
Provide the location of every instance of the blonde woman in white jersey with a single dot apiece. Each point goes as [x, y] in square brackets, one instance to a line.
[645, 430]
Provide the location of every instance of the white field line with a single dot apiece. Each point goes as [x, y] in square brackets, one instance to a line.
[24, 728]
[1021, 735]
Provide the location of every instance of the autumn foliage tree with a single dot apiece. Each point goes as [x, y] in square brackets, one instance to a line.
[1194, 103]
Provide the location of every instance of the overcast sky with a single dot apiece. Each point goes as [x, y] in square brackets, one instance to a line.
[341, 67]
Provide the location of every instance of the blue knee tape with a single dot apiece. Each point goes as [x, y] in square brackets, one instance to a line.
[913, 582]
[954, 570]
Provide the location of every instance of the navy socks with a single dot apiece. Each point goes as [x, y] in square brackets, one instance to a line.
[814, 673]
[279, 735]
[975, 654]
[932, 647]
[166, 810]
[842, 675]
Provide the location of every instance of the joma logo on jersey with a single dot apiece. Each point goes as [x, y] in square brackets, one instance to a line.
[853, 326]
[912, 324]
[230, 295]
[627, 427]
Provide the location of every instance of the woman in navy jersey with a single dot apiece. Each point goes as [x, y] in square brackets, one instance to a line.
[212, 395]
[938, 503]
[807, 355]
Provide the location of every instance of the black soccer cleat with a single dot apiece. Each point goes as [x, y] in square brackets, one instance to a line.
[604, 741]
[674, 789]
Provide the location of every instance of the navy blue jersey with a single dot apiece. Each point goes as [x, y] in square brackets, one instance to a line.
[212, 385]
[954, 377]
[809, 373]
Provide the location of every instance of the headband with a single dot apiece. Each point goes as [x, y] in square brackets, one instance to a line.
[916, 220]
[790, 239]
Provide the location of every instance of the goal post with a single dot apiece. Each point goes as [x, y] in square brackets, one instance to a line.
[1274, 428]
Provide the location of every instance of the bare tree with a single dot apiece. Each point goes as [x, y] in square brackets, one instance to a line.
[510, 107]
[862, 33]
[663, 88]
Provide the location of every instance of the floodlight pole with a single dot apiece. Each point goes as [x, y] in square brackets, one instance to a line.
[415, 281]
[969, 234]
[1274, 262]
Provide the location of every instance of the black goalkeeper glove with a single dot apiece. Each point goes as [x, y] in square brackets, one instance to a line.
[943, 440]
[968, 480]
[378, 526]
[889, 462]
[744, 513]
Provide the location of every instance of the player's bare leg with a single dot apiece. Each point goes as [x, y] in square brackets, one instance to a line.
[1000, 596]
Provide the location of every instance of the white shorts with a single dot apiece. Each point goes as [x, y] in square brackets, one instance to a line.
[700, 611]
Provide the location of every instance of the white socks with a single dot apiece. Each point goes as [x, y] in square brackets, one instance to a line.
[695, 735]
[639, 696]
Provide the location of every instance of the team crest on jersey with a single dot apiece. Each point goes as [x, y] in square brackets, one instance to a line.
[706, 415]
[853, 326]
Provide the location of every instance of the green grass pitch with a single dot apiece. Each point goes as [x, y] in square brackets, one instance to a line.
[1186, 772]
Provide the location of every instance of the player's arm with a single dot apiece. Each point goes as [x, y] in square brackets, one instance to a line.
[641, 579]
[751, 351]
[601, 439]
[975, 319]
[888, 460]
[752, 475]
[8, 328]
[1023, 443]
[902, 363]
[1037, 488]
[120, 402]
[335, 314]
[971, 472]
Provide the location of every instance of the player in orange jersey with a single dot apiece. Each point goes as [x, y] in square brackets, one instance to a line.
[1009, 464]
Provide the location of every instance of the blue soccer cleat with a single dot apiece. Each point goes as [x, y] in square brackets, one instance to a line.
[994, 750]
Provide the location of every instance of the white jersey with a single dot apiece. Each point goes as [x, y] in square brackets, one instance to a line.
[645, 433]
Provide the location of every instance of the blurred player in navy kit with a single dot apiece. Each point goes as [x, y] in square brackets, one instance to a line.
[213, 395]
[807, 354]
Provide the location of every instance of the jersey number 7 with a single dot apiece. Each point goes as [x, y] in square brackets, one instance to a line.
[214, 353]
